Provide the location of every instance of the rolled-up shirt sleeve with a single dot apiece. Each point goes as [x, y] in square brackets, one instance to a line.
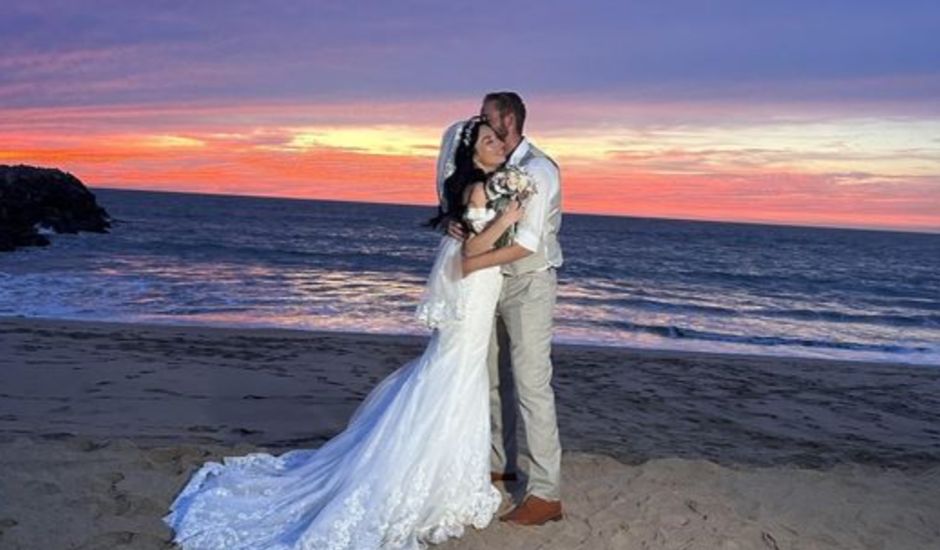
[532, 225]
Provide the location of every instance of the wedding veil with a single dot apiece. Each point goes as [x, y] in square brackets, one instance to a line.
[444, 298]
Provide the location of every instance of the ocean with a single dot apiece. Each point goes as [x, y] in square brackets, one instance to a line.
[353, 267]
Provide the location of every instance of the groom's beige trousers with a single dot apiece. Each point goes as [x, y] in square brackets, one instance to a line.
[523, 334]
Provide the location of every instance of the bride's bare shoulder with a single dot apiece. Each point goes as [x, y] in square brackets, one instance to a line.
[475, 195]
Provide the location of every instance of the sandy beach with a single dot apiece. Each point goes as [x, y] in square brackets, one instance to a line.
[101, 423]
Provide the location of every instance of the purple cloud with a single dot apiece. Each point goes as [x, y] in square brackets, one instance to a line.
[81, 52]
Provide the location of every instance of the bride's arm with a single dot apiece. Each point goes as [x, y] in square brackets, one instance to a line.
[498, 256]
[484, 241]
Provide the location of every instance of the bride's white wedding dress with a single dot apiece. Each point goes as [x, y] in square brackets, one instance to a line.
[412, 467]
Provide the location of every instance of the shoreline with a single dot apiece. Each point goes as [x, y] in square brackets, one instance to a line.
[286, 387]
[414, 338]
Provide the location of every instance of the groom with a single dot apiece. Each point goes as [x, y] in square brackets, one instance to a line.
[524, 322]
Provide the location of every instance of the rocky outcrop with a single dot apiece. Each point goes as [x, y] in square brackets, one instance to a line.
[33, 198]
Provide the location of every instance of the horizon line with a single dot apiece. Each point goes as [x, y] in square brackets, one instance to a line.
[917, 231]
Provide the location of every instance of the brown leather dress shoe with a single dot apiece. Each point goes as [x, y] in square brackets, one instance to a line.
[497, 476]
[534, 511]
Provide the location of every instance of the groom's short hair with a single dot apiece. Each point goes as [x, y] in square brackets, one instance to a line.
[508, 102]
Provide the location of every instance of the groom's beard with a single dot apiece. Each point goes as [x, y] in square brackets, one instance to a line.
[508, 152]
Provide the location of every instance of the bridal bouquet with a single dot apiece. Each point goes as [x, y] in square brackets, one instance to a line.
[510, 183]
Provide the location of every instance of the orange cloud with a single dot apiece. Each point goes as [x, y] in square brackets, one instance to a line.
[777, 173]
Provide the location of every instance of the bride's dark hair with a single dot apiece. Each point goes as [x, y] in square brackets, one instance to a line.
[465, 173]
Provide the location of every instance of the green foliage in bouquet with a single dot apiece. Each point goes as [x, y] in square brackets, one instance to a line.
[511, 183]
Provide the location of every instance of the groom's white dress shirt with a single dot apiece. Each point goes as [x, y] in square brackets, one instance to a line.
[538, 229]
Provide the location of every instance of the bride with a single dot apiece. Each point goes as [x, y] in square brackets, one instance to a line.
[412, 467]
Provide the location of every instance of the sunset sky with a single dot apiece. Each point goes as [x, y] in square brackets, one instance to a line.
[820, 113]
